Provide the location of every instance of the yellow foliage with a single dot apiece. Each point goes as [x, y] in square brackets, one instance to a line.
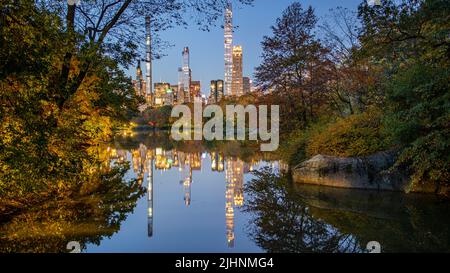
[355, 135]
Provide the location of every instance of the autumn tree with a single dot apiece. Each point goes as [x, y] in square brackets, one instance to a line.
[355, 82]
[295, 64]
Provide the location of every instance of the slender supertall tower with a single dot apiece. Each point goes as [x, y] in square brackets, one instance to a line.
[228, 26]
[180, 96]
[186, 75]
[148, 61]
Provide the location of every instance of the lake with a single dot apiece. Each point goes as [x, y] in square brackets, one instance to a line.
[226, 197]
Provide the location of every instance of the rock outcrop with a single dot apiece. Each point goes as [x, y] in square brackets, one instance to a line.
[369, 172]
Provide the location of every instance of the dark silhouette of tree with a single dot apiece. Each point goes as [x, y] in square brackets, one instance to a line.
[282, 222]
[86, 218]
[295, 64]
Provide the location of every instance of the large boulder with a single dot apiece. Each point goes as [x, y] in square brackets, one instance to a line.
[369, 172]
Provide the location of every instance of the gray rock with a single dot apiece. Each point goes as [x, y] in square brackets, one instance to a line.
[369, 172]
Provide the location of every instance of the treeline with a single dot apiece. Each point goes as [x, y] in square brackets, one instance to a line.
[361, 82]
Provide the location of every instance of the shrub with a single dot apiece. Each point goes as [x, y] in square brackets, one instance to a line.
[355, 135]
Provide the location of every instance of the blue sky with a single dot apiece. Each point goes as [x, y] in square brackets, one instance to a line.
[206, 48]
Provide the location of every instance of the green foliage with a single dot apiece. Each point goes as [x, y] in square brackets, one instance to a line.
[292, 147]
[416, 60]
[48, 147]
[155, 117]
[355, 135]
[419, 117]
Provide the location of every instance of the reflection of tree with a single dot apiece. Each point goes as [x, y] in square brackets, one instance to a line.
[86, 217]
[399, 222]
[282, 222]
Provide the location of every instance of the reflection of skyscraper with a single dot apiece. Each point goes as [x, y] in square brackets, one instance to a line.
[235, 173]
[217, 162]
[185, 161]
[150, 198]
[228, 35]
[139, 157]
[229, 212]
[187, 188]
[195, 161]
[142, 162]
[234, 176]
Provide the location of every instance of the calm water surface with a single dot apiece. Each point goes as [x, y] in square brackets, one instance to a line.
[193, 201]
[204, 197]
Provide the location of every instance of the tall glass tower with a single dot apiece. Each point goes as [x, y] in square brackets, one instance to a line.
[148, 61]
[228, 26]
[186, 74]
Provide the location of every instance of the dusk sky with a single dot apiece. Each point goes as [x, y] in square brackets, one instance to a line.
[207, 49]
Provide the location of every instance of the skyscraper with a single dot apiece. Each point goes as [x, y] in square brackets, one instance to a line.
[174, 88]
[139, 83]
[228, 27]
[246, 85]
[161, 91]
[195, 90]
[236, 84]
[180, 96]
[148, 62]
[186, 74]
[216, 91]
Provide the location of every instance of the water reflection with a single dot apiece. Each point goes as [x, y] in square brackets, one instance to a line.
[87, 217]
[146, 159]
[289, 217]
[219, 197]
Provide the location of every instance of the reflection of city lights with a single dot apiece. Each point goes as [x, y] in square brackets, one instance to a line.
[144, 159]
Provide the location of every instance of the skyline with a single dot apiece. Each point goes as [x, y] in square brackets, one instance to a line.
[206, 48]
